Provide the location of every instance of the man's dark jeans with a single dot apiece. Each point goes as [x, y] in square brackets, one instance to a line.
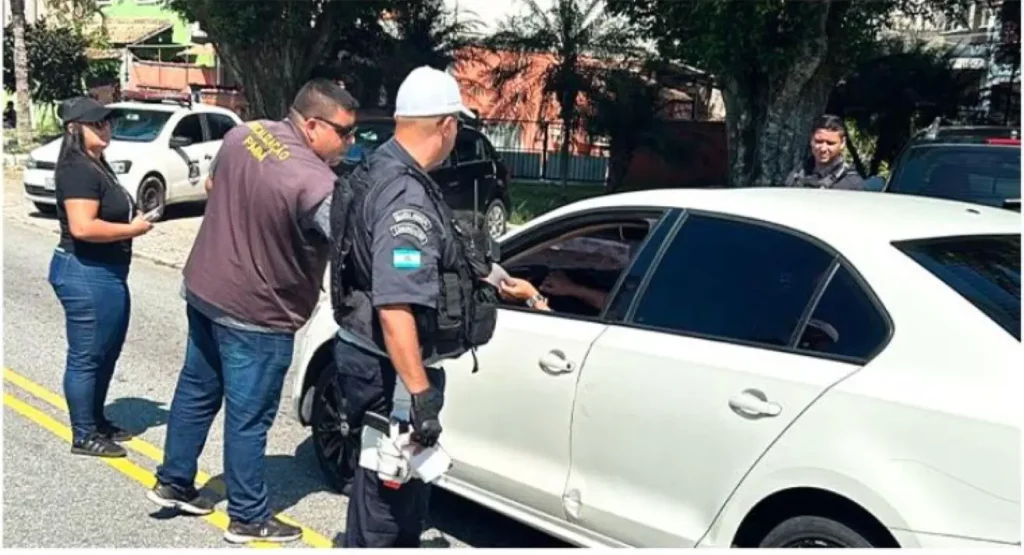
[96, 313]
[246, 369]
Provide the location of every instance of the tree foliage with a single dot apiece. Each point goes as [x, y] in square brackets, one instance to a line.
[775, 60]
[272, 48]
[375, 57]
[630, 106]
[905, 88]
[56, 60]
[578, 39]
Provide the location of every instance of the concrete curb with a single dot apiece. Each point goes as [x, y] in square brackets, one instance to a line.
[159, 260]
[136, 253]
[14, 160]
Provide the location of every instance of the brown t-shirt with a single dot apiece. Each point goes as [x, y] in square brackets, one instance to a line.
[255, 257]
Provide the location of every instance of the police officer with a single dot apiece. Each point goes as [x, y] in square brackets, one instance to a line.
[407, 293]
[826, 169]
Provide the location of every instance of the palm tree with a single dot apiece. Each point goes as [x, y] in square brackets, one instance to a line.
[21, 83]
[577, 37]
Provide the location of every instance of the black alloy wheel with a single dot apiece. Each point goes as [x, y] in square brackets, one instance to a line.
[335, 443]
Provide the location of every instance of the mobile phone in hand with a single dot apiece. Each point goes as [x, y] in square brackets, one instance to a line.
[151, 215]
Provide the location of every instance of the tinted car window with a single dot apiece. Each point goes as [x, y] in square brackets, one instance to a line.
[138, 126]
[845, 322]
[468, 148]
[638, 269]
[585, 265]
[985, 270]
[190, 127]
[733, 280]
[973, 173]
[219, 125]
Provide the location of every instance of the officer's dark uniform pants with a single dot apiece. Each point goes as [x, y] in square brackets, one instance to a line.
[377, 516]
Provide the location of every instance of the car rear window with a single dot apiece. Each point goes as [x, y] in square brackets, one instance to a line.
[982, 174]
[138, 126]
[985, 270]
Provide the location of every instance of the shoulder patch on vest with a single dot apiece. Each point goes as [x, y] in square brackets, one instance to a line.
[409, 229]
[405, 259]
[412, 215]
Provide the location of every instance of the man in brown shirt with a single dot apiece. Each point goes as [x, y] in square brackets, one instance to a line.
[251, 280]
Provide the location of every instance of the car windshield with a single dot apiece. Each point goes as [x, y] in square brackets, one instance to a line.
[981, 174]
[137, 126]
[985, 270]
[368, 137]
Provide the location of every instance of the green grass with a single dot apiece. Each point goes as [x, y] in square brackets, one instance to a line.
[531, 199]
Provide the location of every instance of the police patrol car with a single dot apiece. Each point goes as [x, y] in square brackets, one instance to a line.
[161, 149]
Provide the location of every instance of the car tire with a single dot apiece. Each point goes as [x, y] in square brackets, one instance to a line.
[814, 531]
[152, 196]
[496, 218]
[43, 208]
[333, 439]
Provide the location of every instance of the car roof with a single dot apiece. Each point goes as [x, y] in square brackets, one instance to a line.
[169, 107]
[964, 134]
[837, 217]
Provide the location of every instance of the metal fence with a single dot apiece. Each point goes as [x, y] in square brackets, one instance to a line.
[532, 151]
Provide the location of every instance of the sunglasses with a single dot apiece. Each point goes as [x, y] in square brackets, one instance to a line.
[343, 131]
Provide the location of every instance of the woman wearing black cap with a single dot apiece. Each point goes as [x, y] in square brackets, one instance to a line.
[89, 271]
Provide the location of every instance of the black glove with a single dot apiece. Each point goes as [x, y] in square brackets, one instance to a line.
[426, 423]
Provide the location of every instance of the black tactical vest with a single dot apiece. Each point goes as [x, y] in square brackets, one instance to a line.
[466, 312]
[805, 177]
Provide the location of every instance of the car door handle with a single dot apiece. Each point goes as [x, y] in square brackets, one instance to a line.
[555, 362]
[754, 403]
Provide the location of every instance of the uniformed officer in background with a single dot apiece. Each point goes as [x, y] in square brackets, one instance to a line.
[407, 290]
[826, 168]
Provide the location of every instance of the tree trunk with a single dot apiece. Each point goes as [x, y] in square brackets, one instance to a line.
[22, 107]
[567, 108]
[620, 154]
[768, 134]
[271, 74]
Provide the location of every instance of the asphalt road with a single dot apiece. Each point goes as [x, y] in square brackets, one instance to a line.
[53, 499]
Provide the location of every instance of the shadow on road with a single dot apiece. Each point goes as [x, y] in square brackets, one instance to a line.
[136, 414]
[292, 478]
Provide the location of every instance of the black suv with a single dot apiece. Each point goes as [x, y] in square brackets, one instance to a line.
[474, 179]
[980, 165]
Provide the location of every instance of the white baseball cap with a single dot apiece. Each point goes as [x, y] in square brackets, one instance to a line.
[429, 92]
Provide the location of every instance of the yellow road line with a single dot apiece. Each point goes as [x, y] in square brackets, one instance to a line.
[309, 536]
[123, 465]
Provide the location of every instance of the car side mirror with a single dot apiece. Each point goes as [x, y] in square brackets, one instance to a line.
[179, 141]
[876, 183]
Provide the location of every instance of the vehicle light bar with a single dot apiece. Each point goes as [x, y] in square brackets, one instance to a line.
[1002, 141]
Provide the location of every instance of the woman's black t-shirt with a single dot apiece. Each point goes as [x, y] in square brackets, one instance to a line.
[77, 177]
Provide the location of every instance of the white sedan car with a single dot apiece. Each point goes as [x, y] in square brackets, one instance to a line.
[747, 367]
[161, 153]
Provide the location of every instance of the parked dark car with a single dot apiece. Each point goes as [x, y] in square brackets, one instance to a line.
[980, 165]
[474, 179]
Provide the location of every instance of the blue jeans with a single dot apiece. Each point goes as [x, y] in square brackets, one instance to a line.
[246, 369]
[96, 312]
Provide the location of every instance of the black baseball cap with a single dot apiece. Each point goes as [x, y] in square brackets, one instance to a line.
[82, 109]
